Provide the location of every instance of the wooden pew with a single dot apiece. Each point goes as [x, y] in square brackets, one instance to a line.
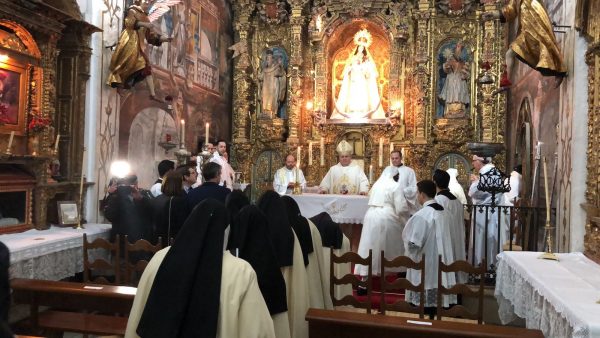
[72, 301]
[338, 324]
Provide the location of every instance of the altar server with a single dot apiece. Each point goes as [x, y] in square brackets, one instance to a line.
[453, 210]
[345, 177]
[287, 176]
[196, 289]
[454, 186]
[427, 233]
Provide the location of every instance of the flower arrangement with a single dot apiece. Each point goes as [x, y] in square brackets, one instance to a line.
[3, 114]
[37, 122]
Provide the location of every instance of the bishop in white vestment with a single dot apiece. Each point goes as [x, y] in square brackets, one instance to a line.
[287, 176]
[427, 233]
[345, 178]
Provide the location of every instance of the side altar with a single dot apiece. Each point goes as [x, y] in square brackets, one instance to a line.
[416, 76]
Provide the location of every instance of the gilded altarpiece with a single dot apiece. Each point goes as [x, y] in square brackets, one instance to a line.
[413, 45]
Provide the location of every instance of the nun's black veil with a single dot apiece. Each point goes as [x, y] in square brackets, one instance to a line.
[249, 239]
[280, 231]
[300, 226]
[184, 299]
[330, 231]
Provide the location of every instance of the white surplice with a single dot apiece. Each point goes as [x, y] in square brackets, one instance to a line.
[477, 231]
[226, 170]
[427, 232]
[390, 205]
[453, 209]
[242, 309]
[318, 283]
[351, 179]
[285, 176]
[296, 285]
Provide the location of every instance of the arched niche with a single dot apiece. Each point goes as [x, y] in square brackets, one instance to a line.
[524, 148]
[263, 171]
[458, 162]
[339, 47]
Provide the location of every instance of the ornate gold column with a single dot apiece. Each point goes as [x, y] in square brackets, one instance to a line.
[422, 71]
[241, 80]
[295, 70]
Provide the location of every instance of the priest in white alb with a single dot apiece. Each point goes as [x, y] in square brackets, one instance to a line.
[427, 233]
[345, 177]
[287, 176]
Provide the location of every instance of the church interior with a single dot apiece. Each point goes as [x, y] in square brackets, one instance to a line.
[94, 92]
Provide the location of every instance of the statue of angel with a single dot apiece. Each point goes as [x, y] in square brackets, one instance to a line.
[129, 63]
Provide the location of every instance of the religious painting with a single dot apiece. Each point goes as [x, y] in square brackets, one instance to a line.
[193, 45]
[68, 213]
[359, 80]
[13, 89]
[273, 83]
[454, 60]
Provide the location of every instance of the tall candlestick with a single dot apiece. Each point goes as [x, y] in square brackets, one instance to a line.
[81, 188]
[391, 149]
[322, 151]
[182, 133]
[10, 140]
[56, 143]
[548, 202]
[381, 151]
[206, 133]
[402, 153]
[370, 174]
[298, 154]
[310, 153]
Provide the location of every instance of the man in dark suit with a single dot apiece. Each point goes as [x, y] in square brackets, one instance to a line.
[211, 172]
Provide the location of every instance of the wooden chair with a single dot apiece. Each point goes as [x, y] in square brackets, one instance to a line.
[100, 263]
[461, 289]
[403, 283]
[137, 268]
[353, 258]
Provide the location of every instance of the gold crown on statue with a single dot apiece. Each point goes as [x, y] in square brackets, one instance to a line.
[344, 148]
[363, 38]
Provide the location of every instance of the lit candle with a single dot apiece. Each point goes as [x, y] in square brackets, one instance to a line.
[381, 152]
[206, 133]
[391, 149]
[370, 174]
[182, 133]
[402, 110]
[10, 140]
[298, 154]
[310, 153]
[548, 202]
[56, 143]
[322, 151]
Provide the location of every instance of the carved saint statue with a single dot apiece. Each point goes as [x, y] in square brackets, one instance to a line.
[273, 82]
[129, 63]
[455, 92]
[359, 95]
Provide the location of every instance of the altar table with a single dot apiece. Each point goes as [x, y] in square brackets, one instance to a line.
[52, 254]
[560, 298]
[348, 210]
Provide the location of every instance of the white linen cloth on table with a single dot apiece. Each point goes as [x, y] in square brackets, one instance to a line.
[558, 298]
[345, 209]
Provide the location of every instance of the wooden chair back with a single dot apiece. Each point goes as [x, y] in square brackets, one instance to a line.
[461, 289]
[133, 267]
[353, 258]
[101, 264]
[403, 283]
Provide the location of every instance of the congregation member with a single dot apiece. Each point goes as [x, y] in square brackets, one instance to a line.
[289, 256]
[170, 208]
[249, 240]
[235, 201]
[345, 178]
[287, 176]
[455, 187]
[189, 176]
[453, 210]
[481, 217]
[332, 237]
[196, 288]
[427, 233]
[211, 172]
[220, 157]
[164, 167]
[312, 253]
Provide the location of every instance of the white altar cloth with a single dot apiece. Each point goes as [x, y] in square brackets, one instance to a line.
[559, 298]
[51, 254]
[347, 209]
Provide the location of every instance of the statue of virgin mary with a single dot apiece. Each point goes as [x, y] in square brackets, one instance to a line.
[359, 98]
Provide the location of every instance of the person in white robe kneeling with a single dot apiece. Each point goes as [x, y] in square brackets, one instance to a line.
[196, 289]
[427, 233]
[453, 209]
[345, 177]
